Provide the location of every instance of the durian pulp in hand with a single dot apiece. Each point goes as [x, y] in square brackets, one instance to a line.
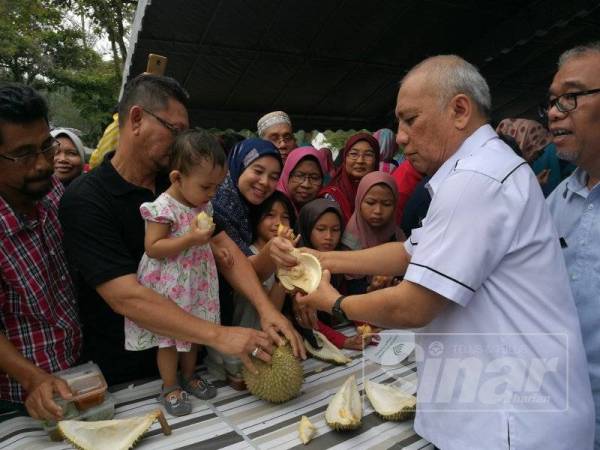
[305, 276]
[205, 222]
[344, 411]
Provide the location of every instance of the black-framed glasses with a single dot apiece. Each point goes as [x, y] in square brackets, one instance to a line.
[28, 156]
[169, 126]
[299, 178]
[568, 102]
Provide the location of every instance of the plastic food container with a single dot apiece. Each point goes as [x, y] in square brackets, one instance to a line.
[87, 384]
[104, 411]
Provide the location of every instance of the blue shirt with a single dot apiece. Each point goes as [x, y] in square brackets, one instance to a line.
[576, 213]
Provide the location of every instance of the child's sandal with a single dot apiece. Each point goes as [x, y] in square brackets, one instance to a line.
[198, 387]
[178, 404]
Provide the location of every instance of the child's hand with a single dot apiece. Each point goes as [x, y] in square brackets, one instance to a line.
[357, 342]
[200, 236]
[223, 258]
[380, 282]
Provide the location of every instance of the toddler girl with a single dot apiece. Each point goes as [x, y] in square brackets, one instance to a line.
[179, 264]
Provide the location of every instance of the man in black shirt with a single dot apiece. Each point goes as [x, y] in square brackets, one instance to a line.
[104, 240]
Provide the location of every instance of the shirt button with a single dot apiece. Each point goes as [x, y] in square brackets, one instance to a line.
[573, 277]
[52, 252]
[591, 206]
[63, 278]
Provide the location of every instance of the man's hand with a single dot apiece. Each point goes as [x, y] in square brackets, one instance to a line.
[322, 298]
[241, 342]
[275, 324]
[42, 389]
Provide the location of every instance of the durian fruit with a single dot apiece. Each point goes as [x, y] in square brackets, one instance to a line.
[279, 381]
[390, 402]
[306, 430]
[328, 352]
[117, 434]
[205, 222]
[364, 329]
[344, 411]
[281, 229]
[306, 275]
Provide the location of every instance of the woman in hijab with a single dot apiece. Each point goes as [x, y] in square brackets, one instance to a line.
[321, 227]
[531, 136]
[373, 222]
[69, 159]
[359, 157]
[302, 176]
[389, 147]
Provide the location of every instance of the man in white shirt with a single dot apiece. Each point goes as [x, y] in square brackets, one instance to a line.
[574, 120]
[500, 357]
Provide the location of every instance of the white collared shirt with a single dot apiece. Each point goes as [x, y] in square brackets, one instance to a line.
[488, 245]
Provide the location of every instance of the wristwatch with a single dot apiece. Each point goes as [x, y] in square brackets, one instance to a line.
[337, 310]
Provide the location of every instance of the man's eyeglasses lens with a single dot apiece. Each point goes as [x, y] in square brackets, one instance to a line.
[29, 156]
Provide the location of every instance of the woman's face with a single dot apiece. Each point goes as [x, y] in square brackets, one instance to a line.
[305, 182]
[67, 162]
[360, 160]
[377, 207]
[327, 232]
[267, 228]
[257, 182]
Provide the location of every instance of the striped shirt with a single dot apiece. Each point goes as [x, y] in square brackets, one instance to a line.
[38, 312]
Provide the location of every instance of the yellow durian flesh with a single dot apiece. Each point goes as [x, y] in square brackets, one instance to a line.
[205, 222]
[306, 430]
[116, 434]
[279, 381]
[328, 352]
[344, 411]
[390, 402]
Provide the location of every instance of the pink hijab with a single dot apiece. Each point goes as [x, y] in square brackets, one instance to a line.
[359, 234]
[293, 159]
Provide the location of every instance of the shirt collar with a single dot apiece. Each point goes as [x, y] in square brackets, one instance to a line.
[576, 184]
[117, 185]
[475, 141]
[12, 222]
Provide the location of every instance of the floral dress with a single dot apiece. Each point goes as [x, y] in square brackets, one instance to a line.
[189, 279]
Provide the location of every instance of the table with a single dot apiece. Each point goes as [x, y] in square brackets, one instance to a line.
[238, 420]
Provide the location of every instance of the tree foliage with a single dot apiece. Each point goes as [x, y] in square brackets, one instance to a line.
[40, 47]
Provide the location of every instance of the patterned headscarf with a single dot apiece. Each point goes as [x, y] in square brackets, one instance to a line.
[341, 188]
[232, 211]
[359, 234]
[387, 144]
[270, 119]
[531, 136]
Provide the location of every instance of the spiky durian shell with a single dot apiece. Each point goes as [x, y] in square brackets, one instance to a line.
[344, 411]
[279, 381]
[389, 402]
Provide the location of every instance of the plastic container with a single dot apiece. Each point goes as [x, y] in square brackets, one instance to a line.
[87, 384]
[104, 411]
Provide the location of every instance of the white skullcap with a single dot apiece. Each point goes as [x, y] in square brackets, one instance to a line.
[270, 119]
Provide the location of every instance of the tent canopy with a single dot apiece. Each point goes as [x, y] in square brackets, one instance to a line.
[336, 63]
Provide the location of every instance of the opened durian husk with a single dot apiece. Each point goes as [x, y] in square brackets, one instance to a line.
[306, 430]
[305, 276]
[344, 411]
[389, 402]
[328, 352]
[116, 434]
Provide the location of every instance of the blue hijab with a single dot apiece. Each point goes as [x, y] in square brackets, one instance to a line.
[231, 210]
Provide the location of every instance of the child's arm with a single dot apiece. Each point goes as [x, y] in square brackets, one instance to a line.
[277, 295]
[159, 245]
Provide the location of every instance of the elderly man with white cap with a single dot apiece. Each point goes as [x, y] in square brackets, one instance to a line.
[70, 156]
[276, 127]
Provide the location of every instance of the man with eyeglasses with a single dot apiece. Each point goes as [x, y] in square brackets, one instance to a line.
[276, 127]
[574, 121]
[39, 324]
[104, 240]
